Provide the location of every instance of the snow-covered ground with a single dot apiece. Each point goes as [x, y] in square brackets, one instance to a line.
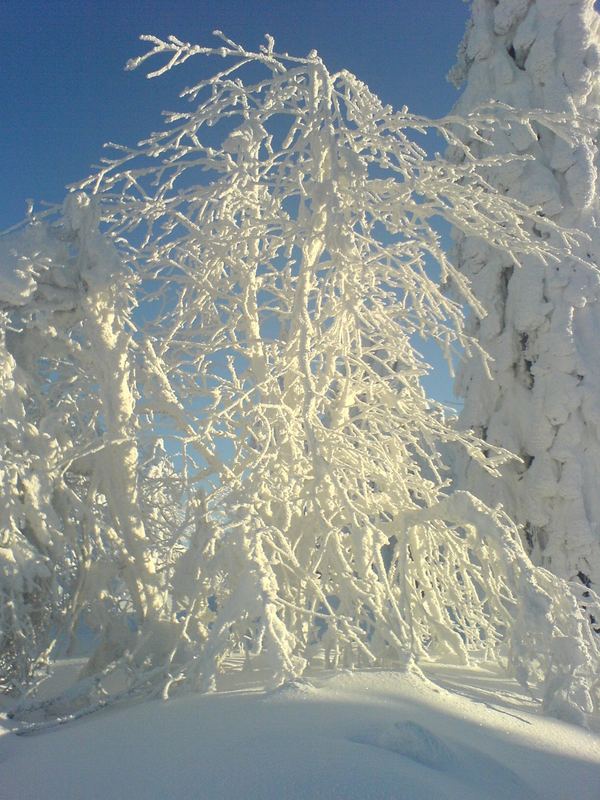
[348, 736]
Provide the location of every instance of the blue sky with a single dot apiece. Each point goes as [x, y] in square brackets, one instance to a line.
[63, 91]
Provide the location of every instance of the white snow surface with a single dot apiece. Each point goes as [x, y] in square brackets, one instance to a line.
[364, 735]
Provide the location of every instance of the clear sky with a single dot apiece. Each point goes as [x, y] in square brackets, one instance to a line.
[63, 91]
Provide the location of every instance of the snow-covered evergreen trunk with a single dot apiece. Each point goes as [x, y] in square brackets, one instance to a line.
[542, 326]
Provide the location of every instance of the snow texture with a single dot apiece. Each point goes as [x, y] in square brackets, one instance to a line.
[362, 736]
[542, 322]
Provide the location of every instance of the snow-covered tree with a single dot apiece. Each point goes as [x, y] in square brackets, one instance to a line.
[280, 296]
[71, 515]
[542, 322]
[41, 515]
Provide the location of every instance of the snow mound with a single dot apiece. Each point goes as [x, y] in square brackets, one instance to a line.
[417, 743]
[362, 736]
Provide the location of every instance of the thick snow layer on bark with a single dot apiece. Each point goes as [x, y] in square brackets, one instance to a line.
[543, 320]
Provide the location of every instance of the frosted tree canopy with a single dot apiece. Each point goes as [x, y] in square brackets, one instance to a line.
[223, 450]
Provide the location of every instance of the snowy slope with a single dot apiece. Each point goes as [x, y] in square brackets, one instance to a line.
[363, 736]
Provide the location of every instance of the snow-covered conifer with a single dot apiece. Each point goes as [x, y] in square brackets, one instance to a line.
[542, 322]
